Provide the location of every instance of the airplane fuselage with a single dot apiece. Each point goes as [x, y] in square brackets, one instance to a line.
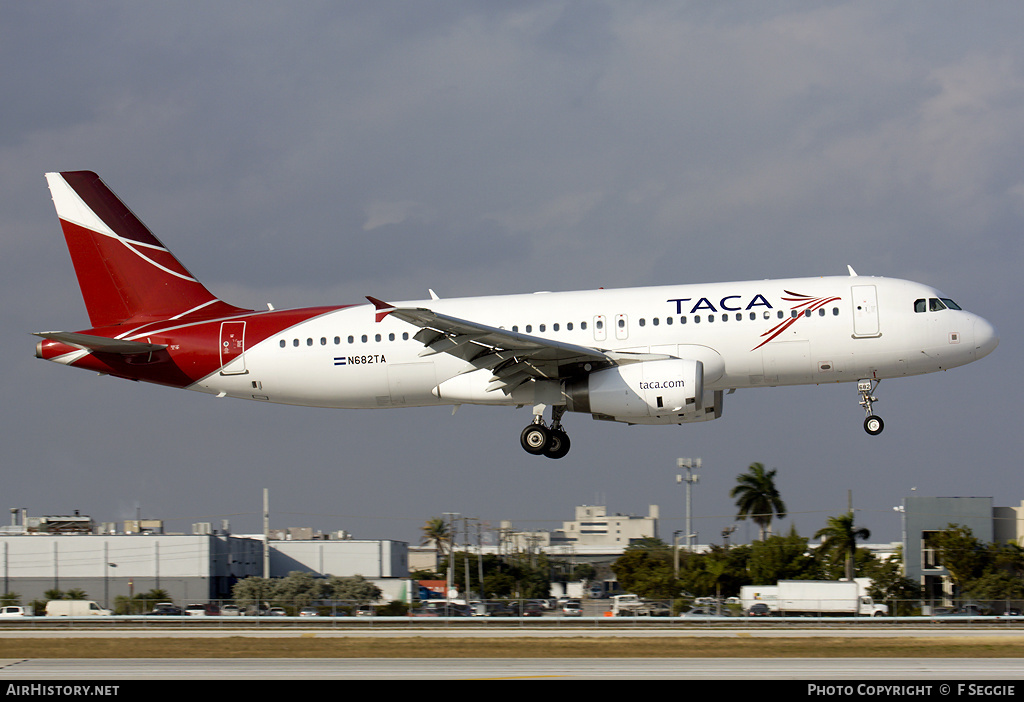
[651, 355]
[749, 334]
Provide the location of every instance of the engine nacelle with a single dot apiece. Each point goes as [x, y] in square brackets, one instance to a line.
[671, 390]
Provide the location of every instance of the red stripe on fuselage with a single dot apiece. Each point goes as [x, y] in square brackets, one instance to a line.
[193, 345]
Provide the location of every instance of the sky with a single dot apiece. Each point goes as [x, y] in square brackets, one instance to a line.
[317, 152]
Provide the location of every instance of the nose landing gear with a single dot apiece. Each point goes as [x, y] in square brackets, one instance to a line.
[538, 439]
[873, 424]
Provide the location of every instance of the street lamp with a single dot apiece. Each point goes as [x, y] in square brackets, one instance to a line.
[689, 464]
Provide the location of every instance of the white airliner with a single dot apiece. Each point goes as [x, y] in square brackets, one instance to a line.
[651, 355]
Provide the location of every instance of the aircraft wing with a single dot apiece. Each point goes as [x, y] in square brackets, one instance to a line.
[514, 357]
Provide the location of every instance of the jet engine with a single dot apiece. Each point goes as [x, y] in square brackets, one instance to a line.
[668, 391]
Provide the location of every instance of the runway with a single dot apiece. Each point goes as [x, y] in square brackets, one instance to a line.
[929, 671]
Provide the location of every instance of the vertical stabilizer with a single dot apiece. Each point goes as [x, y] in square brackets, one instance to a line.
[123, 270]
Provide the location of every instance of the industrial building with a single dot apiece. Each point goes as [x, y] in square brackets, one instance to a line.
[63, 553]
[923, 516]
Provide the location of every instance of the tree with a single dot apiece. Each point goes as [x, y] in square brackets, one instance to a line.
[356, 588]
[253, 590]
[719, 571]
[781, 558]
[298, 588]
[840, 538]
[647, 574]
[436, 532]
[645, 568]
[889, 585]
[959, 552]
[758, 498]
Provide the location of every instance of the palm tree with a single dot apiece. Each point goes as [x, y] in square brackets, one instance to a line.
[436, 532]
[840, 537]
[758, 498]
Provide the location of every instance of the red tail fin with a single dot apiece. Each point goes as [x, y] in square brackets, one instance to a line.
[125, 273]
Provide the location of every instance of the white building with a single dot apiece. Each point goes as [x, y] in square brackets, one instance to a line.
[593, 531]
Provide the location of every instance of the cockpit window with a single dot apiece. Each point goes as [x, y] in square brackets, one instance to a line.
[935, 304]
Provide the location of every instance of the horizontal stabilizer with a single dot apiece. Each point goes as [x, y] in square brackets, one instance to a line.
[102, 344]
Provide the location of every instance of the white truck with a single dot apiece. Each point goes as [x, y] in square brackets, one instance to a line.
[633, 606]
[768, 595]
[75, 608]
[815, 597]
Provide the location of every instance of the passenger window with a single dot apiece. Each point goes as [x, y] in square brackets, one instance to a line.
[283, 344]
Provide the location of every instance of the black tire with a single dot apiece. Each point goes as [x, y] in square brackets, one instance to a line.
[558, 444]
[535, 439]
[874, 425]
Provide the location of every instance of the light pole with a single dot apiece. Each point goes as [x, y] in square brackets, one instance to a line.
[689, 464]
[726, 533]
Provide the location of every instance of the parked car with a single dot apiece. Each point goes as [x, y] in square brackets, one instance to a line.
[441, 610]
[759, 609]
[572, 608]
[166, 609]
[309, 612]
[16, 611]
[700, 613]
[202, 610]
[277, 612]
[230, 610]
[531, 609]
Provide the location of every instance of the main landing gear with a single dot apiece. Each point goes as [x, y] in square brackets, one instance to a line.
[539, 439]
[873, 424]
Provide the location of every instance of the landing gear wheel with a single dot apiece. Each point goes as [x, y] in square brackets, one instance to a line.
[558, 444]
[874, 425]
[535, 439]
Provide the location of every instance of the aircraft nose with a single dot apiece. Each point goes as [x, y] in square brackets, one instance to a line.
[985, 338]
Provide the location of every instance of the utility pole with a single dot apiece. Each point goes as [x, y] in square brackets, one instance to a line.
[689, 464]
[266, 533]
